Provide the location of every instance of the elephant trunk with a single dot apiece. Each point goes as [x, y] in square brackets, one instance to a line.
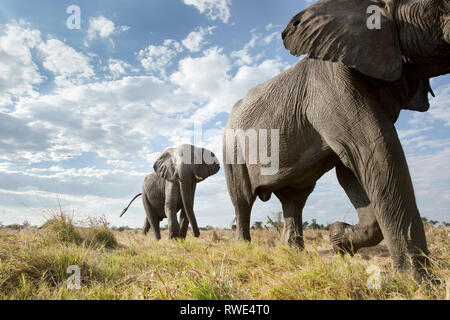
[188, 204]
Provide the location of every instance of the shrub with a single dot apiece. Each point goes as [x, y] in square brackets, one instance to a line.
[98, 234]
[62, 227]
[101, 237]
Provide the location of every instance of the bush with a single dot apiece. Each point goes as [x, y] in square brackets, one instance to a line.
[98, 234]
[101, 237]
[62, 227]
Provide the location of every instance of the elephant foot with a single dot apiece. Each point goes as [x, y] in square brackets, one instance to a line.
[297, 243]
[293, 239]
[341, 239]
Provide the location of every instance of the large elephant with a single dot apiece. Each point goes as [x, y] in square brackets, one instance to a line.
[171, 188]
[336, 108]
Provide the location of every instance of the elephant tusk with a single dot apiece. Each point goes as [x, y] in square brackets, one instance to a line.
[172, 179]
[198, 178]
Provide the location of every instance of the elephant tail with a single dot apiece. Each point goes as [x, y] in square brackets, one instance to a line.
[125, 210]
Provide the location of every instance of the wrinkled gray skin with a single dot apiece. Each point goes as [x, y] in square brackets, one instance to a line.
[171, 188]
[336, 108]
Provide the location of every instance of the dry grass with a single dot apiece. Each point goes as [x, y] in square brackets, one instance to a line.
[127, 265]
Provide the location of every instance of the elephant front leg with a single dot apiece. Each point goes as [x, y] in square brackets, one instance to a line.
[184, 224]
[346, 238]
[173, 197]
[364, 138]
[293, 200]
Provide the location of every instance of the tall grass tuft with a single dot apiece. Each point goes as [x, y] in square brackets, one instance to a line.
[98, 235]
[62, 227]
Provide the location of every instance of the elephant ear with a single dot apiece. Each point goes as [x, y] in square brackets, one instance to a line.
[420, 102]
[164, 166]
[337, 30]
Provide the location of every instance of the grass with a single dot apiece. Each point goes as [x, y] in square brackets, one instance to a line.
[128, 265]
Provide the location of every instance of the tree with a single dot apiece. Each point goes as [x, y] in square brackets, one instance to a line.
[257, 225]
[276, 221]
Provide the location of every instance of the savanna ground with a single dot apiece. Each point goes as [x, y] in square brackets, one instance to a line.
[127, 265]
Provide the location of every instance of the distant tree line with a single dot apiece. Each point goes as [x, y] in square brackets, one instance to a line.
[275, 221]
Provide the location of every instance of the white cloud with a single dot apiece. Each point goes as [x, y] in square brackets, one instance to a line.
[68, 65]
[223, 92]
[247, 55]
[195, 40]
[18, 72]
[439, 108]
[157, 58]
[272, 26]
[124, 164]
[204, 76]
[119, 68]
[214, 9]
[104, 28]
[114, 119]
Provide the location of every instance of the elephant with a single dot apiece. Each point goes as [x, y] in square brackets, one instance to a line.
[171, 188]
[336, 108]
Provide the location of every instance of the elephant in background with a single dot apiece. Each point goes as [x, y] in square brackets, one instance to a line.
[171, 188]
[336, 108]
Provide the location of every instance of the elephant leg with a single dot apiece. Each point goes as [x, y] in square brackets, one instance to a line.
[184, 223]
[367, 233]
[146, 226]
[239, 188]
[171, 208]
[152, 217]
[293, 200]
[365, 139]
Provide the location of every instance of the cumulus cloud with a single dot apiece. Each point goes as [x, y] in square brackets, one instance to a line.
[203, 76]
[157, 58]
[439, 104]
[101, 27]
[118, 68]
[195, 40]
[68, 65]
[214, 9]
[19, 74]
[111, 118]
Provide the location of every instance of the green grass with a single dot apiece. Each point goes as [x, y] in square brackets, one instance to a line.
[128, 265]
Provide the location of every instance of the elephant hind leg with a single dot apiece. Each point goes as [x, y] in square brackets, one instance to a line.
[146, 227]
[152, 217]
[293, 200]
[242, 197]
[349, 239]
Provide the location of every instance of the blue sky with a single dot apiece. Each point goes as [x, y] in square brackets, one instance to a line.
[84, 113]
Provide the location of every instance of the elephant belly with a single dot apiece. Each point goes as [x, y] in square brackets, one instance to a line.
[303, 172]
